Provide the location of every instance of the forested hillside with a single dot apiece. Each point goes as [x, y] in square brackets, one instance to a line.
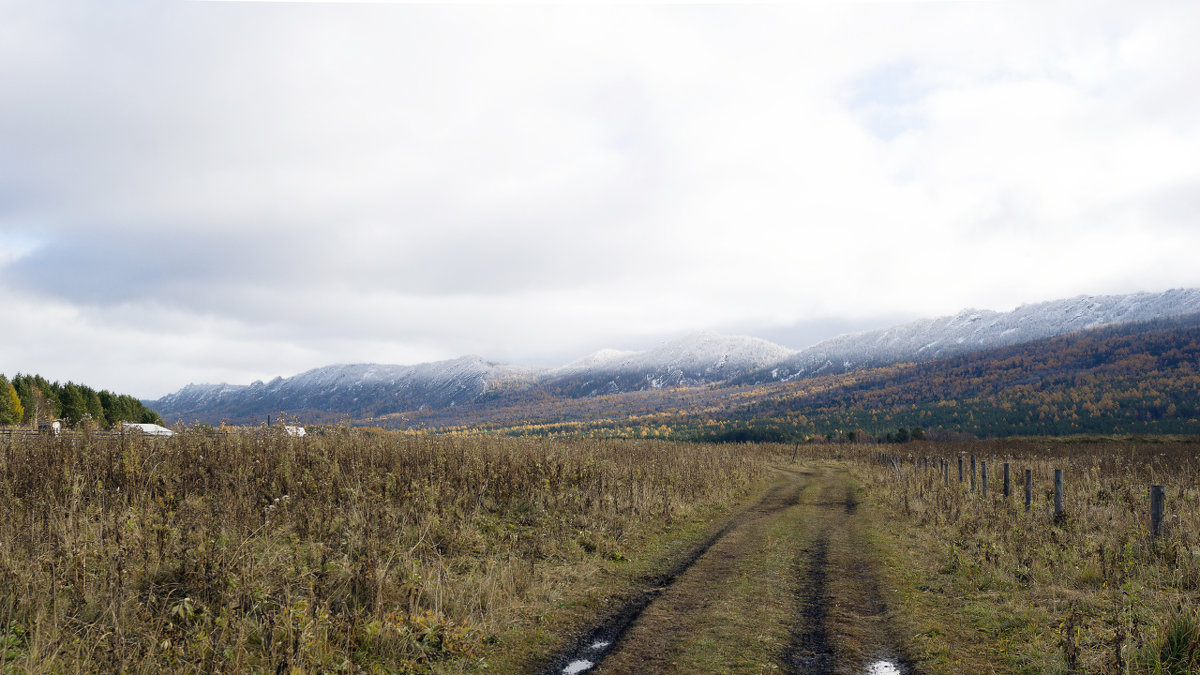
[30, 399]
[1134, 378]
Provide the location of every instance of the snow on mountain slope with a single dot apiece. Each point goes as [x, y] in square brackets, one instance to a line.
[971, 330]
[701, 357]
[199, 394]
[695, 359]
[360, 389]
[600, 359]
[702, 354]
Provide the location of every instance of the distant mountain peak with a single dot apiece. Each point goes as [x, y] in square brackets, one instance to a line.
[596, 359]
[974, 329]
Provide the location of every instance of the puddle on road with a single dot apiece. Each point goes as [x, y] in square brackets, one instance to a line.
[883, 668]
[577, 667]
[580, 665]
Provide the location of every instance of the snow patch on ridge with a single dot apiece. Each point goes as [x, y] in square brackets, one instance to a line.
[972, 329]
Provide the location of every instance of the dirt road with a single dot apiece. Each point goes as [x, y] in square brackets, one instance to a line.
[785, 585]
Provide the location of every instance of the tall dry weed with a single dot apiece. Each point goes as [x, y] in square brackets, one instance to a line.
[231, 552]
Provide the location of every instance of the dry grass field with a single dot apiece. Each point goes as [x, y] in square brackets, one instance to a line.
[346, 551]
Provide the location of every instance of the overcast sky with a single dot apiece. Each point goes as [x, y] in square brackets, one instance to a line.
[229, 191]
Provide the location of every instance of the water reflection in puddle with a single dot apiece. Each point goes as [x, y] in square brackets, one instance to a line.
[883, 668]
[577, 667]
[597, 648]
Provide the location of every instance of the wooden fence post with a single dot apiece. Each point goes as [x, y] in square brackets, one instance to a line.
[972, 473]
[1006, 490]
[983, 476]
[1157, 499]
[946, 470]
[1028, 488]
[960, 477]
[1058, 494]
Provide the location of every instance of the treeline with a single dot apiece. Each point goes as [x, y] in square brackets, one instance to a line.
[31, 399]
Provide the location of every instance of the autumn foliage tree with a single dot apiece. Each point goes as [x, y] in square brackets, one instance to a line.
[11, 410]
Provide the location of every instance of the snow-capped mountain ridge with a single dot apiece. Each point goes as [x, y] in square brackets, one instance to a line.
[700, 358]
[975, 329]
[703, 352]
[370, 390]
[377, 388]
[603, 357]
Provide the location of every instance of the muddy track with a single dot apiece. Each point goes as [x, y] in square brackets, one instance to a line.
[822, 579]
[810, 651]
[595, 644]
[848, 606]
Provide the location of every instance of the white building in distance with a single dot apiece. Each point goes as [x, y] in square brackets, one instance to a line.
[148, 429]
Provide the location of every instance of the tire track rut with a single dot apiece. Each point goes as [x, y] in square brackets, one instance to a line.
[810, 651]
[842, 624]
[594, 645]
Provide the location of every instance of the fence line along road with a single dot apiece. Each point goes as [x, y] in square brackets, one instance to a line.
[940, 466]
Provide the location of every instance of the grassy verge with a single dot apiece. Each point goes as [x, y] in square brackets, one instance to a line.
[932, 615]
[978, 584]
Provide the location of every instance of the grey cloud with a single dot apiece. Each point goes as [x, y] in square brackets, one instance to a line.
[165, 150]
[108, 266]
